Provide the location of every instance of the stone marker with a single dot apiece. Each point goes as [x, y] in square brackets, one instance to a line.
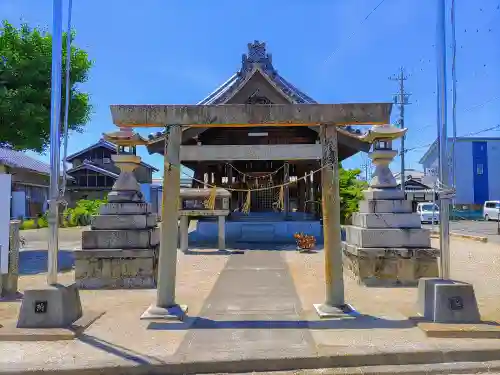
[50, 306]
[386, 244]
[447, 301]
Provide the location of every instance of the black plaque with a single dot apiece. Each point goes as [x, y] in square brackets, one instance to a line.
[41, 307]
[456, 303]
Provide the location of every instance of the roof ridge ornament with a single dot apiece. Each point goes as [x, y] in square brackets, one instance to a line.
[257, 54]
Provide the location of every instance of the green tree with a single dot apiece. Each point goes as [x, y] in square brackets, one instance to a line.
[25, 87]
[351, 192]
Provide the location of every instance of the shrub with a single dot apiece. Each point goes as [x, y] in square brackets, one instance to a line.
[28, 224]
[82, 213]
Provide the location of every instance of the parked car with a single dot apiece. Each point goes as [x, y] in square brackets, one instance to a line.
[491, 210]
[429, 213]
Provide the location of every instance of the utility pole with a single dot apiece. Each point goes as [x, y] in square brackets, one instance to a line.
[366, 167]
[401, 99]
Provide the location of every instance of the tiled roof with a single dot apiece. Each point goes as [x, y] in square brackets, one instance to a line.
[18, 159]
[108, 145]
[92, 167]
[256, 58]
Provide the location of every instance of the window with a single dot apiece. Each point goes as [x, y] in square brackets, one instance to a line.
[479, 169]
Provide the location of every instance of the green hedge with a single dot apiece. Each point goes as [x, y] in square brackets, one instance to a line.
[80, 215]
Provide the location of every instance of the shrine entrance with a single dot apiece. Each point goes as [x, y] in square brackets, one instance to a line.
[263, 197]
[323, 117]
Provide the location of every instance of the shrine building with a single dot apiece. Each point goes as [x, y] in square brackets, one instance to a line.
[242, 166]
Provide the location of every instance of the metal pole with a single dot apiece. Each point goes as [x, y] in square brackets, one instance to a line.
[67, 98]
[444, 223]
[55, 117]
[454, 89]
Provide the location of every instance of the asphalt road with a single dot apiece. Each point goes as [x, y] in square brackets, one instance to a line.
[36, 239]
[70, 238]
[474, 228]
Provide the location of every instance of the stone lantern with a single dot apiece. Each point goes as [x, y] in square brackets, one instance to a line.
[385, 245]
[382, 154]
[120, 251]
[126, 187]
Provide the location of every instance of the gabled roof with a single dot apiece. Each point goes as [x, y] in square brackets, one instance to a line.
[412, 183]
[102, 143]
[18, 159]
[92, 167]
[107, 145]
[255, 61]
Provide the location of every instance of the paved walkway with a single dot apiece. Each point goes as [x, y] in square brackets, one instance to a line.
[252, 312]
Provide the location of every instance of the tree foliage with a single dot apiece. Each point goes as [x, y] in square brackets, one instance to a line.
[351, 192]
[25, 87]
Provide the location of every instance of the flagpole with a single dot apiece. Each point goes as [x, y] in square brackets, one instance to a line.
[444, 209]
[55, 136]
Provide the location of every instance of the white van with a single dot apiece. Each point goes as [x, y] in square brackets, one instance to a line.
[429, 212]
[491, 210]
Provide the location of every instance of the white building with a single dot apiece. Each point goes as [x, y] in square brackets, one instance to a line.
[478, 168]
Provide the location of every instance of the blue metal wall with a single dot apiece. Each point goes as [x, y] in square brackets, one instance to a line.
[480, 171]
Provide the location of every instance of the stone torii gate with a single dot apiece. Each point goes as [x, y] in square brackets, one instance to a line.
[176, 118]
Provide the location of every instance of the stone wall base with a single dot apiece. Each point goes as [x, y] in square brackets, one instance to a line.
[390, 267]
[116, 269]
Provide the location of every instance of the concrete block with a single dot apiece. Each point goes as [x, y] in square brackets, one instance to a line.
[115, 253]
[127, 272]
[124, 221]
[125, 208]
[386, 220]
[125, 196]
[385, 206]
[391, 252]
[50, 306]
[390, 270]
[121, 239]
[384, 194]
[387, 237]
[447, 301]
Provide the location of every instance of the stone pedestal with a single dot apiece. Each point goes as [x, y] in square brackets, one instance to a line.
[121, 248]
[385, 245]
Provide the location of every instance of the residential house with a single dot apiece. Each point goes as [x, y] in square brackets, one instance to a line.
[94, 173]
[30, 183]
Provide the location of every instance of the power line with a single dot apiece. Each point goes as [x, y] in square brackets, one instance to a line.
[496, 127]
[356, 29]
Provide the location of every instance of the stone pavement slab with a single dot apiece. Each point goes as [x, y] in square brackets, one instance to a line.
[252, 312]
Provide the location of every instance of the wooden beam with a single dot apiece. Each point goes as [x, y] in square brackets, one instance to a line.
[221, 153]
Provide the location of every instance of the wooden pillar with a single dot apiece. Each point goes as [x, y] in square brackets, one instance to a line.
[184, 232]
[198, 175]
[221, 232]
[310, 193]
[334, 299]
[166, 306]
[286, 190]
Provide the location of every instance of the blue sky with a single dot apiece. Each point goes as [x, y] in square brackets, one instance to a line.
[176, 52]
